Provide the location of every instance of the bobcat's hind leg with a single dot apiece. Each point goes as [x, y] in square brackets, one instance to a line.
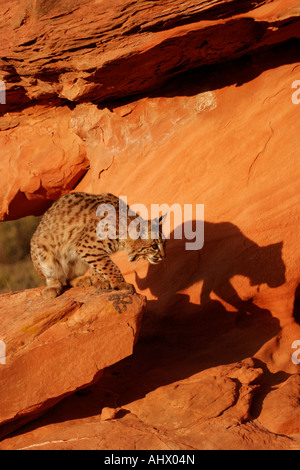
[53, 289]
[48, 265]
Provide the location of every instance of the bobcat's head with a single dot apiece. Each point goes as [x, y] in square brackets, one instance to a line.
[145, 247]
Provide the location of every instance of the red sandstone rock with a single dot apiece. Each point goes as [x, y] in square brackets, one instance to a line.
[42, 159]
[202, 398]
[209, 410]
[227, 137]
[53, 50]
[52, 53]
[54, 348]
[108, 413]
[280, 411]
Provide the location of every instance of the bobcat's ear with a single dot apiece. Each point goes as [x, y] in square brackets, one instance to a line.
[156, 227]
[160, 220]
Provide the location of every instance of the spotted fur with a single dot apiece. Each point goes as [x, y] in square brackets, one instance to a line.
[65, 245]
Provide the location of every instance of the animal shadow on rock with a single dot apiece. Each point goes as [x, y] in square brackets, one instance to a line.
[227, 334]
[226, 252]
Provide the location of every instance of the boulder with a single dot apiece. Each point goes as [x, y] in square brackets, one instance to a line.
[57, 347]
[280, 410]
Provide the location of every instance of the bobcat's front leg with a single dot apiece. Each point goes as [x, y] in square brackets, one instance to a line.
[99, 280]
[105, 271]
[105, 274]
[115, 277]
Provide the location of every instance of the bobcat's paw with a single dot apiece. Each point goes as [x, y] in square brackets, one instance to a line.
[125, 286]
[51, 292]
[82, 281]
[102, 284]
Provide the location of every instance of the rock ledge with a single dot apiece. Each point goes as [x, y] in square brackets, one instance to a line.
[55, 347]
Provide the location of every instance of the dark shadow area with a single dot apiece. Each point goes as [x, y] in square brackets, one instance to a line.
[179, 338]
[266, 384]
[239, 69]
[296, 311]
[209, 13]
[210, 77]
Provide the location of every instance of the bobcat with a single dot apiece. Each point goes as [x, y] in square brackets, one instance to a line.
[65, 244]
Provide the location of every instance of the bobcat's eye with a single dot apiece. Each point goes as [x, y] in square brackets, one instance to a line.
[154, 246]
